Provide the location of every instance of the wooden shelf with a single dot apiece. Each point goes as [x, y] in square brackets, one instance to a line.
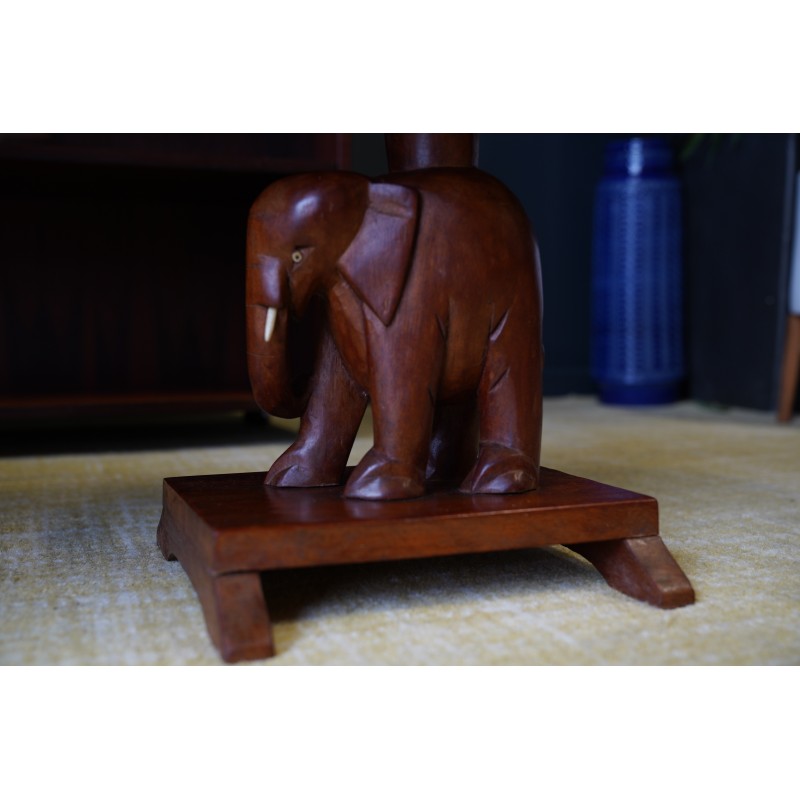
[245, 152]
[122, 266]
[44, 406]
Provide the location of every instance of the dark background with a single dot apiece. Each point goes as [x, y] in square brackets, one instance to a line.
[121, 260]
[554, 176]
[738, 200]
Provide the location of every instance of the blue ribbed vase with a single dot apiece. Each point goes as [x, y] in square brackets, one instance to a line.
[637, 320]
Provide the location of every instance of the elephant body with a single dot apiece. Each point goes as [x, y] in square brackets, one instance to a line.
[431, 303]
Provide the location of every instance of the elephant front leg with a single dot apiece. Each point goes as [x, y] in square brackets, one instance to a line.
[328, 427]
[403, 398]
[394, 468]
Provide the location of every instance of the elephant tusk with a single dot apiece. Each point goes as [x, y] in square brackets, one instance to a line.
[269, 326]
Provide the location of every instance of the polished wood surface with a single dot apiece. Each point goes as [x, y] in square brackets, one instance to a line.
[424, 150]
[224, 528]
[430, 290]
[420, 294]
[642, 568]
[246, 526]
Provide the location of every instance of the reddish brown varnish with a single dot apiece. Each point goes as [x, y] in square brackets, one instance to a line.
[228, 529]
[419, 293]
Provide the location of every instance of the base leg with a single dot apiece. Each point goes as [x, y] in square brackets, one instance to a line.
[641, 568]
[163, 537]
[237, 617]
[233, 604]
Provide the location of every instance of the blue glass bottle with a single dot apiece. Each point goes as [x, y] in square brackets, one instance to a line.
[637, 320]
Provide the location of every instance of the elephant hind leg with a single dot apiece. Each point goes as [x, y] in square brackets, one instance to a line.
[501, 470]
[510, 408]
[404, 397]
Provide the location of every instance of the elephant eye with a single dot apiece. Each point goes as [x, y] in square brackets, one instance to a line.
[297, 256]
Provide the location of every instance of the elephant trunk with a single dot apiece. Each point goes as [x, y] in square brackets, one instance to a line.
[271, 377]
[281, 356]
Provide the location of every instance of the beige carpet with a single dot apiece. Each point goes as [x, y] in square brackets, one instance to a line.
[82, 582]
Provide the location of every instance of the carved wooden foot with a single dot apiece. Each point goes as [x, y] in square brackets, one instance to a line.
[642, 568]
[501, 470]
[233, 604]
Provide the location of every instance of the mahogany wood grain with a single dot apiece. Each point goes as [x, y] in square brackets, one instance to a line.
[224, 525]
[642, 568]
[424, 150]
[233, 604]
[429, 290]
[240, 525]
[420, 293]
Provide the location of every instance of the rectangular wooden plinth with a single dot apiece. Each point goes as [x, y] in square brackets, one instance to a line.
[226, 527]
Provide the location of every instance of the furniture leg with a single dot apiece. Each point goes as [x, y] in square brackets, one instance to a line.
[641, 568]
[790, 370]
[226, 530]
[233, 604]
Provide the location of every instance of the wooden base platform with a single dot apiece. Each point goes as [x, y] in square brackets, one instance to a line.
[228, 529]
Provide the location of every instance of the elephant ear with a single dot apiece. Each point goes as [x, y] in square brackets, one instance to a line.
[377, 261]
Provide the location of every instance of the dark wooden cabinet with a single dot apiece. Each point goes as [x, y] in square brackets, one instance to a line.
[122, 266]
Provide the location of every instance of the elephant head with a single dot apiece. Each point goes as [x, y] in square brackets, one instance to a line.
[306, 234]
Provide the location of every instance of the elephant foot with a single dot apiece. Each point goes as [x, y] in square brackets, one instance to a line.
[291, 471]
[501, 470]
[379, 478]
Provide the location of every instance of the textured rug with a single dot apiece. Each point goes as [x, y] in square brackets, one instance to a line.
[82, 581]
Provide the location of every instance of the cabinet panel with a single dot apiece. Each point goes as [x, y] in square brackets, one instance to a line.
[124, 281]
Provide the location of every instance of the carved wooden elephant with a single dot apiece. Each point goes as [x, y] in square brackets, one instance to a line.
[428, 305]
